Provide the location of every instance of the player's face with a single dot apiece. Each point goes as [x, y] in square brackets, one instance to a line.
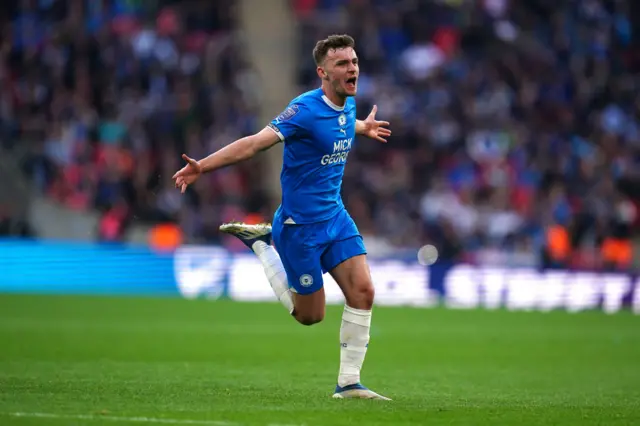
[341, 71]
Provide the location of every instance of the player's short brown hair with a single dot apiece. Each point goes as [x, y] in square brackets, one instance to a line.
[332, 42]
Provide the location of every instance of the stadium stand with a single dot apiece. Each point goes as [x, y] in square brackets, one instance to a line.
[515, 124]
[511, 119]
[116, 93]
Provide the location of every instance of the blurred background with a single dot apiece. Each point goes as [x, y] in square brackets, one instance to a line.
[516, 123]
[515, 151]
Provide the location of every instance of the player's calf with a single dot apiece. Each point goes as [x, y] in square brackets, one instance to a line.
[258, 239]
[353, 277]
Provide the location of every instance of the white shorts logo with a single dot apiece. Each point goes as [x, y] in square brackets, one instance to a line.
[306, 280]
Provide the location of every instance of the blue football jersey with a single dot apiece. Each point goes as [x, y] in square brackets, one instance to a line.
[317, 136]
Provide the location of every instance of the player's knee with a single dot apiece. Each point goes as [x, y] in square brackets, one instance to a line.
[309, 309]
[367, 294]
[362, 296]
[309, 318]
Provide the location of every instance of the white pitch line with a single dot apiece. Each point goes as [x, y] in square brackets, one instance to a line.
[125, 419]
[134, 419]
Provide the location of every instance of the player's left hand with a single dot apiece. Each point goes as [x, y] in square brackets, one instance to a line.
[375, 129]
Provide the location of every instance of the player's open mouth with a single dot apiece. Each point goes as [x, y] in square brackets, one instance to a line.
[351, 83]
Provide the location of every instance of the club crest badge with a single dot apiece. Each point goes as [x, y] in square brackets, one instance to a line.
[306, 280]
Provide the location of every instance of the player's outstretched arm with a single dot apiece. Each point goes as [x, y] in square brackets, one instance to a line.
[235, 152]
[372, 128]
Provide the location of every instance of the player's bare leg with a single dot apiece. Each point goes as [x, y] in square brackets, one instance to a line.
[309, 308]
[354, 279]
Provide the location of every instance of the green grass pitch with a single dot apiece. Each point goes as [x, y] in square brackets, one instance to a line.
[68, 361]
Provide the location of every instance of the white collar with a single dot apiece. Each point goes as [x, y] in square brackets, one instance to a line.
[332, 105]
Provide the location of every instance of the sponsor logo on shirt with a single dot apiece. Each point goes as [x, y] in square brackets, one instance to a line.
[341, 150]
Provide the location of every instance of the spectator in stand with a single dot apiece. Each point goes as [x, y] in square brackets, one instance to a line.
[508, 117]
[108, 94]
[502, 112]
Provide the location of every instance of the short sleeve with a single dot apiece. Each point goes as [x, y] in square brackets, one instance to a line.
[291, 121]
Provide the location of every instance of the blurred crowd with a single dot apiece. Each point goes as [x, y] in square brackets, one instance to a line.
[516, 125]
[104, 96]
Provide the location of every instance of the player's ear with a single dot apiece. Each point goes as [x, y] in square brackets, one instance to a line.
[322, 73]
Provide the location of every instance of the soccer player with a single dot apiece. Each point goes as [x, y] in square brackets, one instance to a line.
[312, 230]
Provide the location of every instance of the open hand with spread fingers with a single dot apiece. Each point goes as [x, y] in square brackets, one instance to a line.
[188, 174]
[375, 129]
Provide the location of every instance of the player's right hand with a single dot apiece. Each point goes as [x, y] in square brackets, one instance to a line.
[188, 174]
